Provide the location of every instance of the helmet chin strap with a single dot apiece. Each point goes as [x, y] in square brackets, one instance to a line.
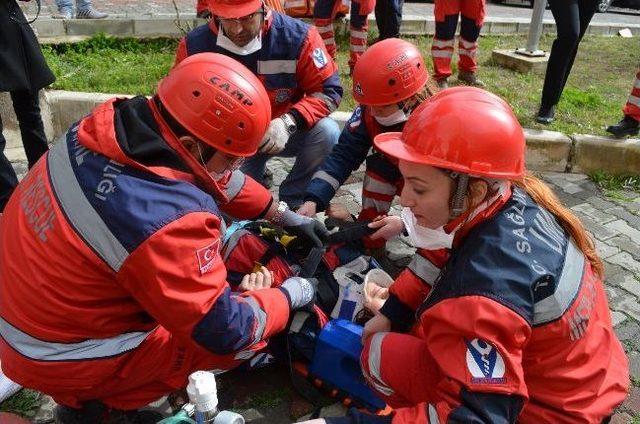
[457, 201]
[208, 153]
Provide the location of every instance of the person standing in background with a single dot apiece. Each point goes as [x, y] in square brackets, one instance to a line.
[24, 72]
[324, 12]
[84, 10]
[630, 123]
[472, 13]
[388, 18]
[572, 19]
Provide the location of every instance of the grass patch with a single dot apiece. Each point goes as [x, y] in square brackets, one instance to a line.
[593, 98]
[617, 186]
[25, 402]
[265, 399]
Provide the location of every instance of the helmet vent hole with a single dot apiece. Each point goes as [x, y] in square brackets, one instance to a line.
[241, 125]
[392, 82]
[228, 141]
[196, 93]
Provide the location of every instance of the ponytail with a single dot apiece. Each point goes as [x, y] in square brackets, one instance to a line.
[546, 198]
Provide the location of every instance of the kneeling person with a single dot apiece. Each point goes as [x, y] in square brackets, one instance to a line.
[290, 59]
[112, 287]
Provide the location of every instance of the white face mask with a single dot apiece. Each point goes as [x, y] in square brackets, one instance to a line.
[423, 237]
[251, 47]
[395, 118]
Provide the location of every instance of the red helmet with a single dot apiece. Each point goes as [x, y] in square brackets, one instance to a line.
[463, 129]
[233, 8]
[388, 72]
[219, 101]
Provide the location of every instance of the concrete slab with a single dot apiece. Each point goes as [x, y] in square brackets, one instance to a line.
[116, 27]
[49, 27]
[593, 153]
[69, 106]
[547, 150]
[161, 27]
[521, 63]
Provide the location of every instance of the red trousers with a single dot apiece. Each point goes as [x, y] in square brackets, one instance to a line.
[472, 13]
[632, 108]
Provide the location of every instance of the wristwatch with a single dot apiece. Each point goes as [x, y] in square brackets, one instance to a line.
[290, 123]
[277, 217]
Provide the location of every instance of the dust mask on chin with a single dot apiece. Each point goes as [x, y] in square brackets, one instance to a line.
[423, 237]
[252, 46]
[397, 117]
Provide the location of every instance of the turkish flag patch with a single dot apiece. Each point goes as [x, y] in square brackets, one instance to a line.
[207, 256]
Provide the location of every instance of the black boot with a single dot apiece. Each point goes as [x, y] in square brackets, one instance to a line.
[96, 412]
[470, 78]
[546, 114]
[626, 126]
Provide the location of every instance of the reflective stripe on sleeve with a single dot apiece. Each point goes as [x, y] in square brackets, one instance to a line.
[424, 269]
[375, 356]
[324, 176]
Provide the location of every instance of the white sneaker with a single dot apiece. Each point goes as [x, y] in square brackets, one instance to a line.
[90, 13]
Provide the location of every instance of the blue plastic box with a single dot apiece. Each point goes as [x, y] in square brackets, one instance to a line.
[336, 360]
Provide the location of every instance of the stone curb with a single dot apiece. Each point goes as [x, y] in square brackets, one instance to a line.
[546, 150]
[55, 31]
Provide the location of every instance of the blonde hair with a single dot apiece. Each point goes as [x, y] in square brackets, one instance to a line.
[546, 198]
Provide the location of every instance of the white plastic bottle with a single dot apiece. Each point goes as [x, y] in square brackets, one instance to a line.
[203, 394]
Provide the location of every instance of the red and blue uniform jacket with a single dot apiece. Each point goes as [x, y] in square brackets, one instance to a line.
[110, 237]
[354, 145]
[293, 65]
[511, 325]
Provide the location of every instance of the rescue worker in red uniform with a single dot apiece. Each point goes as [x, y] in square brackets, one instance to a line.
[472, 13]
[630, 123]
[112, 288]
[302, 81]
[324, 13]
[385, 105]
[509, 317]
[202, 9]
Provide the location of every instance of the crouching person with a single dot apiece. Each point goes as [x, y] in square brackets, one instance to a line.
[112, 287]
[512, 324]
[389, 81]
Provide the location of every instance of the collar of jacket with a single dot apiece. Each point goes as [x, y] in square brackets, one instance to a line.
[464, 223]
[97, 133]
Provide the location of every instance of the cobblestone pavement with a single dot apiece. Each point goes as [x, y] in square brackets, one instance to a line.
[152, 7]
[613, 221]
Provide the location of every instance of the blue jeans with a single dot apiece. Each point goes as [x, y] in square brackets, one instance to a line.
[310, 148]
[68, 5]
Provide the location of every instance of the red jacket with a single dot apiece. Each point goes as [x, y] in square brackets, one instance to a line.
[293, 64]
[109, 237]
[513, 326]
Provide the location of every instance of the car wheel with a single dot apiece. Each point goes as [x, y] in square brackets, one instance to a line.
[603, 5]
